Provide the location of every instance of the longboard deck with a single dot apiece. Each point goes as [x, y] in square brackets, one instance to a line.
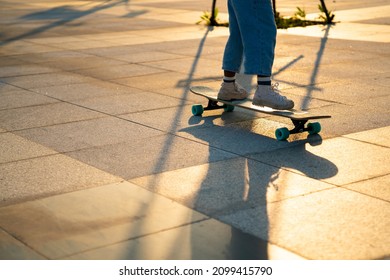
[211, 94]
[298, 118]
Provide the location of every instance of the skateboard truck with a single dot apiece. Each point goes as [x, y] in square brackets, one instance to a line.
[213, 105]
[197, 110]
[299, 127]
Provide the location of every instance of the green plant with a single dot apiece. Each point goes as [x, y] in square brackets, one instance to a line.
[298, 19]
[211, 19]
[300, 13]
[327, 15]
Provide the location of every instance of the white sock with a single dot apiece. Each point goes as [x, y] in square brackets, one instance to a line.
[264, 81]
[229, 79]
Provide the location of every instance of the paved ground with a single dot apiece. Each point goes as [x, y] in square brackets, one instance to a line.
[100, 157]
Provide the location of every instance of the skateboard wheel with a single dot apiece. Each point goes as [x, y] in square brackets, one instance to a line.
[314, 128]
[282, 134]
[229, 108]
[197, 110]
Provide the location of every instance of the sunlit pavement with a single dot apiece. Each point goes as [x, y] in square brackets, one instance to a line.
[101, 158]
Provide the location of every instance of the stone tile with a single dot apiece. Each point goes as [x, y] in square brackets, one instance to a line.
[62, 55]
[180, 118]
[17, 47]
[119, 71]
[361, 47]
[81, 45]
[12, 249]
[76, 64]
[318, 54]
[337, 161]
[211, 49]
[45, 80]
[44, 115]
[121, 49]
[166, 80]
[345, 31]
[301, 77]
[332, 224]
[380, 136]
[382, 81]
[49, 175]
[377, 187]
[228, 186]
[181, 91]
[344, 91]
[71, 223]
[4, 87]
[147, 56]
[347, 119]
[144, 157]
[124, 39]
[128, 103]
[22, 98]
[68, 60]
[192, 66]
[355, 14]
[10, 61]
[24, 69]
[168, 46]
[242, 138]
[71, 92]
[377, 104]
[86, 134]
[179, 16]
[14, 148]
[187, 243]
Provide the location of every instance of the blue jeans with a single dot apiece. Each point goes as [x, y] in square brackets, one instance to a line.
[252, 37]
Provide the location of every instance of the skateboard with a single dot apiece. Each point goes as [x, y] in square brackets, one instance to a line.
[299, 118]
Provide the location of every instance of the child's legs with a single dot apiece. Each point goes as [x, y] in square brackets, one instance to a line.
[256, 25]
[233, 54]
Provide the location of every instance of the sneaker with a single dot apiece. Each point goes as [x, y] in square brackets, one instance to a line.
[232, 91]
[269, 96]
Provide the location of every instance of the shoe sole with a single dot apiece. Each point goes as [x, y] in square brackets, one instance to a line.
[266, 104]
